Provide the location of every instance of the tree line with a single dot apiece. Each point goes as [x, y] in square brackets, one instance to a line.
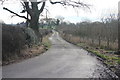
[102, 33]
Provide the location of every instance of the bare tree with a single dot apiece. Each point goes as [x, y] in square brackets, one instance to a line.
[34, 12]
[100, 34]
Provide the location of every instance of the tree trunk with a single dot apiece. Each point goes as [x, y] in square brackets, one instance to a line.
[34, 22]
[99, 41]
[92, 41]
[108, 43]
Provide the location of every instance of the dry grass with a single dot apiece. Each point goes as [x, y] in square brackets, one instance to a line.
[25, 54]
[46, 42]
[76, 39]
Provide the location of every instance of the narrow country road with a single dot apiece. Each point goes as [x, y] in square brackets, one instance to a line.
[62, 60]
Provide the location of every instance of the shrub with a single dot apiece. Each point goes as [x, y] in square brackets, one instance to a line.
[13, 40]
[31, 38]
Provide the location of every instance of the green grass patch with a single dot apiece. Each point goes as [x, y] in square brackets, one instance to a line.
[99, 54]
[81, 44]
[108, 59]
[46, 42]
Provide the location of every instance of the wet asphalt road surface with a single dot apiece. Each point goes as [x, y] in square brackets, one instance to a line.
[62, 60]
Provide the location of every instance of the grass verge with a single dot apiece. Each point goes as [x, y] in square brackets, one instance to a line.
[46, 42]
[111, 60]
[108, 56]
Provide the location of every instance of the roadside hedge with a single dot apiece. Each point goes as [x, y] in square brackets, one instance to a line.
[15, 38]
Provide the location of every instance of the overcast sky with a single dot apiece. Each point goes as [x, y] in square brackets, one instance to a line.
[99, 9]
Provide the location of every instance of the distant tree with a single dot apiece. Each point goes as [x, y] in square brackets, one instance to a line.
[60, 18]
[31, 8]
[57, 22]
[103, 34]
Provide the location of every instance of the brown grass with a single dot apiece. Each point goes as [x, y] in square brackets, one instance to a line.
[25, 54]
[76, 39]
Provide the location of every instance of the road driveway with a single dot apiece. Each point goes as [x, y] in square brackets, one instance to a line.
[62, 60]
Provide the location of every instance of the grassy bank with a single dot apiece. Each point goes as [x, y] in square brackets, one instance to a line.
[108, 56]
[46, 42]
[111, 60]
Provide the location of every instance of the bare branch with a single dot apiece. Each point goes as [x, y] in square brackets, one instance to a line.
[60, 2]
[27, 8]
[70, 3]
[42, 7]
[23, 5]
[13, 16]
[39, 2]
[2, 1]
[16, 13]
[80, 4]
